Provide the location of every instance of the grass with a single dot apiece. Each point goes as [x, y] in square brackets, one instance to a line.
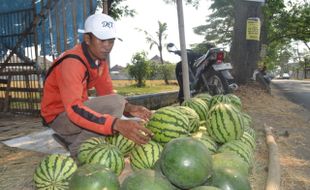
[129, 88]
[122, 87]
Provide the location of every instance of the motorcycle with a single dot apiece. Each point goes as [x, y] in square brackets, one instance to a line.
[207, 72]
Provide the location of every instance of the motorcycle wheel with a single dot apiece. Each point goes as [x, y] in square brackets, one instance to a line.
[217, 83]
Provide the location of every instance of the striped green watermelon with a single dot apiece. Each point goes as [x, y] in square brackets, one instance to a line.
[242, 149]
[205, 97]
[247, 119]
[125, 145]
[200, 107]
[168, 123]
[146, 179]
[235, 100]
[54, 172]
[251, 131]
[230, 160]
[192, 116]
[87, 146]
[248, 139]
[225, 123]
[219, 98]
[109, 156]
[145, 156]
[207, 140]
[94, 177]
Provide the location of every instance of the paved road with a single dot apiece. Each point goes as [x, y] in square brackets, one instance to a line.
[296, 91]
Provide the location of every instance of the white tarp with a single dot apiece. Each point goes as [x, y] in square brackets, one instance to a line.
[43, 141]
[39, 141]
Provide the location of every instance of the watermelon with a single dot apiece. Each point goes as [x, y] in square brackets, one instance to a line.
[145, 156]
[230, 160]
[237, 146]
[207, 140]
[219, 98]
[87, 146]
[168, 123]
[225, 123]
[200, 107]
[109, 156]
[235, 100]
[206, 97]
[94, 177]
[229, 179]
[124, 144]
[247, 119]
[54, 172]
[146, 179]
[205, 188]
[248, 139]
[193, 117]
[251, 131]
[186, 162]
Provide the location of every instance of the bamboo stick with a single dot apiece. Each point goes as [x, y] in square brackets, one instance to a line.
[273, 179]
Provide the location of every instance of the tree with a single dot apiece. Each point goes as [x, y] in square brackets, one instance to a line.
[281, 24]
[140, 68]
[244, 53]
[167, 71]
[115, 9]
[291, 23]
[219, 24]
[194, 3]
[158, 40]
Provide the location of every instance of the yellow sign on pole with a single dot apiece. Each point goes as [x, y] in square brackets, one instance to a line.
[253, 26]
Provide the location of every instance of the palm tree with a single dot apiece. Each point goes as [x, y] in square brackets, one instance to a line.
[158, 41]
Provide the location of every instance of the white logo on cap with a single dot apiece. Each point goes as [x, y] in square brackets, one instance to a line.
[107, 24]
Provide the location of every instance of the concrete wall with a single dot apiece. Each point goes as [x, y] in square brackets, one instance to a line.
[155, 101]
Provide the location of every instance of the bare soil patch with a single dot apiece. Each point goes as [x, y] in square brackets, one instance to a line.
[291, 130]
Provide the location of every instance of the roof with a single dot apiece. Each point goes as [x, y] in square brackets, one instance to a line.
[156, 59]
[117, 68]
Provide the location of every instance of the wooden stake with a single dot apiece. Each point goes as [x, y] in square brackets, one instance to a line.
[273, 179]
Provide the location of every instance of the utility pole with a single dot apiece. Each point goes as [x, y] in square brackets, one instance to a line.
[185, 74]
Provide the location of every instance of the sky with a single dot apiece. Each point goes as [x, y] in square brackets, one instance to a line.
[148, 13]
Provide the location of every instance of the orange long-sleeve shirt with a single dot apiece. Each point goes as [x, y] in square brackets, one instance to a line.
[65, 90]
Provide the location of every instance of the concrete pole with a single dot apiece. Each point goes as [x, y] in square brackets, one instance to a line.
[185, 76]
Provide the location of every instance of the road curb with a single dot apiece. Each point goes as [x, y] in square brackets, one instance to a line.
[154, 101]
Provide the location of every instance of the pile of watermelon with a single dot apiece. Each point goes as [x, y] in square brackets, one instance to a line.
[207, 143]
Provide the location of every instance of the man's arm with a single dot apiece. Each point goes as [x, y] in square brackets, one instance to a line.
[72, 90]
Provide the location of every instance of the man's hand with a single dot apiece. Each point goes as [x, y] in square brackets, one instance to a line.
[138, 111]
[133, 130]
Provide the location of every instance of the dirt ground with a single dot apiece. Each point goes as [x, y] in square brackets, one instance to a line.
[290, 126]
[291, 129]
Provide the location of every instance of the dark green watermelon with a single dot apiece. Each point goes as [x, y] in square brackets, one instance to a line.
[146, 179]
[94, 177]
[205, 188]
[186, 162]
[229, 179]
[230, 160]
